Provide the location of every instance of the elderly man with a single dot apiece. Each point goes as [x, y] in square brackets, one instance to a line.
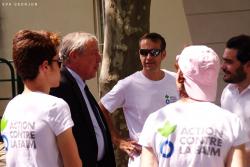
[81, 57]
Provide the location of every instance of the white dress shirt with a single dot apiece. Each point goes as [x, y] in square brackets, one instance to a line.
[98, 132]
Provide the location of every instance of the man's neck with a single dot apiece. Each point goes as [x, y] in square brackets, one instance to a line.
[154, 75]
[243, 85]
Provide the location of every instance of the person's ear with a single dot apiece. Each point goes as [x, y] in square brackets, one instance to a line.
[44, 66]
[247, 65]
[163, 54]
[178, 80]
[73, 55]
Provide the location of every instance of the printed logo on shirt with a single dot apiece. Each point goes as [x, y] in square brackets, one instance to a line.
[191, 140]
[3, 126]
[200, 140]
[170, 99]
[21, 134]
[167, 147]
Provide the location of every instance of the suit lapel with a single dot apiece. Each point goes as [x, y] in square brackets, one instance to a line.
[80, 99]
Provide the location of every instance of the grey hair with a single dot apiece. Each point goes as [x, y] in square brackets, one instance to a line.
[75, 41]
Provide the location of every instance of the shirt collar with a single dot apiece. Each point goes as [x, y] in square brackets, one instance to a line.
[78, 79]
[234, 88]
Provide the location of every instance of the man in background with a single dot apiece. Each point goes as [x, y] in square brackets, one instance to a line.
[140, 94]
[236, 67]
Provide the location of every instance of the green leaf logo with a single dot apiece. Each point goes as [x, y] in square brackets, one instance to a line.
[3, 124]
[167, 129]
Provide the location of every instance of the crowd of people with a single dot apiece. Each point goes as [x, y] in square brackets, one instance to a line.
[171, 116]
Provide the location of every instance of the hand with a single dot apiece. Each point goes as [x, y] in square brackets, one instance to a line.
[131, 147]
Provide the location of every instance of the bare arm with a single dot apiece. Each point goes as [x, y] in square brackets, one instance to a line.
[236, 157]
[148, 158]
[68, 149]
[129, 146]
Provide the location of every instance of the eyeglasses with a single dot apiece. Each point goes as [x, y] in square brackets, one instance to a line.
[152, 52]
[59, 61]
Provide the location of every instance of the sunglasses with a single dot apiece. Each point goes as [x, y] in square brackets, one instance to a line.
[59, 61]
[152, 52]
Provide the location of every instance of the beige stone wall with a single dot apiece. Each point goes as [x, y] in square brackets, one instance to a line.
[180, 22]
[62, 16]
[167, 17]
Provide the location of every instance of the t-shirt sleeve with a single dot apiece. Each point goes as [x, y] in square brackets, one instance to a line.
[225, 98]
[60, 117]
[115, 98]
[222, 98]
[248, 134]
[240, 132]
[147, 134]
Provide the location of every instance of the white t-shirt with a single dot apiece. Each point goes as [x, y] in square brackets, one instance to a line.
[139, 97]
[238, 103]
[29, 128]
[192, 134]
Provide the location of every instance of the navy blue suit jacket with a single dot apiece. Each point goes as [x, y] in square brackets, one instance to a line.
[83, 129]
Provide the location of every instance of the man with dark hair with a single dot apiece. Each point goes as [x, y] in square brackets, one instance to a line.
[236, 67]
[140, 94]
[80, 53]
